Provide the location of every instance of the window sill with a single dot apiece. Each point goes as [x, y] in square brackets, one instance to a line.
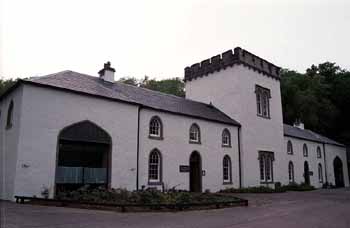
[266, 182]
[154, 183]
[194, 142]
[226, 146]
[290, 153]
[155, 137]
[265, 117]
[227, 183]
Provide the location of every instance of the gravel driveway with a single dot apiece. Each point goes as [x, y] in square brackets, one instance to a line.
[320, 208]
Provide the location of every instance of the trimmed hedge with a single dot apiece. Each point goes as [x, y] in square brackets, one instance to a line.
[278, 188]
[149, 196]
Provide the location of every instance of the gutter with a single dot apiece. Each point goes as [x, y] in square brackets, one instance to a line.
[325, 163]
[239, 157]
[138, 146]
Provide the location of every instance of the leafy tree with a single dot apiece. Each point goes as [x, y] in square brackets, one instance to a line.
[5, 84]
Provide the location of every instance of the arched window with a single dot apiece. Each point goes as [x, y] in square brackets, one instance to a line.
[289, 147]
[154, 167]
[320, 173]
[227, 169]
[226, 138]
[319, 154]
[291, 171]
[155, 127]
[305, 150]
[9, 121]
[195, 135]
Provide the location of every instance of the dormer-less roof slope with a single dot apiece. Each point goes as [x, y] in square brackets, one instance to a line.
[229, 59]
[307, 135]
[93, 86]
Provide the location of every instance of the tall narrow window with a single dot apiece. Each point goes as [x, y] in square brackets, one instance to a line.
[154, 167]
[195, 136]
[289, 147]
[266, 166]
[320, 173]
[155, 128]
[263, 96]
[291, 172]
[9, 121]
[226, 138]
[262, 168]
[227, 169]
[319, 155]
[305, 150]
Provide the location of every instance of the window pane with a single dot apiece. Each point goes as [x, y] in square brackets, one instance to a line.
[262, 168]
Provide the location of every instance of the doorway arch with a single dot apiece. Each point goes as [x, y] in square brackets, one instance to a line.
[195, 172]
[306, 173]
[338, 172]
[83, 157]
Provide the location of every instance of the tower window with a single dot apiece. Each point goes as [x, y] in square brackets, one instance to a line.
[263, 96]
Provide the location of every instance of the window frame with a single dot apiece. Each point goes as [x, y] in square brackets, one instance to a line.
[320, 173]
[157, 181]
[290, 148]
[318, 152]
[305, 150]
[227, 133]
[9, 118]
[266, 159]
[198, 140]
[291, 172]
[227, 168]
[263, 96]
[160, 128]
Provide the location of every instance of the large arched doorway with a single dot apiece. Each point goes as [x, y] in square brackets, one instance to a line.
[338, 172]
[195, 172]
[84, 157]
[306, 173]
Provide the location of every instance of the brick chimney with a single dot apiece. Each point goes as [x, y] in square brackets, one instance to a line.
[107, 73]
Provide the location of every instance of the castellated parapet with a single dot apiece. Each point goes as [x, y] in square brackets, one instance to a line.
[228, 59]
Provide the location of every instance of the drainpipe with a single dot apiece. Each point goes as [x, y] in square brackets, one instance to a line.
[325, 163]
[239, 157]
[138, 147]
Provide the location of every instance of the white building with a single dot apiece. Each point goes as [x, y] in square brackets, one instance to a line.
[68, 129]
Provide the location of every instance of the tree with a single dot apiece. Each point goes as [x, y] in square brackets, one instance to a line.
[5, 84]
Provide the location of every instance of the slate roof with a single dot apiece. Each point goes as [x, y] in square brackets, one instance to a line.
[89, 85]
[307, 135]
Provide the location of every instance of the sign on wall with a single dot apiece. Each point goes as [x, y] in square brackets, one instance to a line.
[184, 168]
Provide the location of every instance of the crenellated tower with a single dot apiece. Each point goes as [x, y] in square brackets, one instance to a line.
[247, 88]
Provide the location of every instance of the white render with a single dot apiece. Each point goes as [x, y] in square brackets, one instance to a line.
[234, 93]
[29, 148]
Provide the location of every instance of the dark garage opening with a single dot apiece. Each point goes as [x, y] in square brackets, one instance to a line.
[83, 157]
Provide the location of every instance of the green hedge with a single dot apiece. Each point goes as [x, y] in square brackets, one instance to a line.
[122, 196]
[278, 188]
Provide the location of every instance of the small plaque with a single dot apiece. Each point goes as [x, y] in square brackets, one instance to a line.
[203, 173]
[184, 168]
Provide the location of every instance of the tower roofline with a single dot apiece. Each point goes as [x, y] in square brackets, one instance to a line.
[228, 59]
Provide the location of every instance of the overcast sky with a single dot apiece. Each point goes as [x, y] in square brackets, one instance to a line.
[160, 38]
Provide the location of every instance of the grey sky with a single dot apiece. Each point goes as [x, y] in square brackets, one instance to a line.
[160, 38]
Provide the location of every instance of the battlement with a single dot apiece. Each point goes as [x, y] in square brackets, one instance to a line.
[228, 59]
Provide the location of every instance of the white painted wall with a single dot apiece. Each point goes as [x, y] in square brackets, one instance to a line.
[176, 150]
[298, 160]
[45, 112]
[332, 152]
[233, 91]
[9, 143]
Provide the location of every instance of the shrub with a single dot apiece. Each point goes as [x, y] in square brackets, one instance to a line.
[148, 196]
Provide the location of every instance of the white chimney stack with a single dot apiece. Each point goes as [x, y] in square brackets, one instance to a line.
[107, 73]
[299, 124]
